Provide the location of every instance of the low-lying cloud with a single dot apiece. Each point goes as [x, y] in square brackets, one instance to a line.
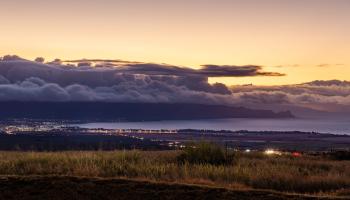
[124, 81]
[333, 95]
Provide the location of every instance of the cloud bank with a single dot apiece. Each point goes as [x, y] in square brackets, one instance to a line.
[332, 95]
[125, 81]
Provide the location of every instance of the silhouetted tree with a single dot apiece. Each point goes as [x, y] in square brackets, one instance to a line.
[11, 57]
[39, 59]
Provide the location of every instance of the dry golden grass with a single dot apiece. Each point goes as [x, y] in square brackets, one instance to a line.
[312, 175]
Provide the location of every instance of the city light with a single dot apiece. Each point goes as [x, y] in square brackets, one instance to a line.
[272, 152]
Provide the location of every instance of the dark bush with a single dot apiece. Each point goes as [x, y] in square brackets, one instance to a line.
[205, 153]
[340, 155]
[40, 60]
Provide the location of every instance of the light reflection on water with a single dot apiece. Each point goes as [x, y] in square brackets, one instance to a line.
[335, 126]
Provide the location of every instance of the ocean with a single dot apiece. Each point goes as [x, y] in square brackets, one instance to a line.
[334, 126]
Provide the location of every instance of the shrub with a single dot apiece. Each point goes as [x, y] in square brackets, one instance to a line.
[205, 153]
[340, 155]
[40, 59]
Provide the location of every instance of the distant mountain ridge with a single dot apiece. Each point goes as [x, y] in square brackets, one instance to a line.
[129, 111]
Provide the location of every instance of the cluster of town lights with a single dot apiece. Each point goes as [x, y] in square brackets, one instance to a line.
[267, 152]
[272, 152]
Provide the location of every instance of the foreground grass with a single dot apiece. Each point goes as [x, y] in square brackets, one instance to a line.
[311, 175]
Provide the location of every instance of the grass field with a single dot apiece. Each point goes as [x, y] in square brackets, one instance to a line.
[307, 175]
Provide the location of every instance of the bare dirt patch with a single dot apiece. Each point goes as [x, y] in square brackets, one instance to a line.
[57, 188]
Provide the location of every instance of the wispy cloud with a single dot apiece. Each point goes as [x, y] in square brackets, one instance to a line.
[329, 65]
[323, 65]
[288, 65]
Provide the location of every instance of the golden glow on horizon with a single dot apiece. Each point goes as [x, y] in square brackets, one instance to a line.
[190, 33]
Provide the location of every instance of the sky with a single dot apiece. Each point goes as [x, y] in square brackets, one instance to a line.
[305, 40]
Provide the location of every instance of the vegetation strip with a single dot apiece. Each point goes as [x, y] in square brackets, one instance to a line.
[312, 175]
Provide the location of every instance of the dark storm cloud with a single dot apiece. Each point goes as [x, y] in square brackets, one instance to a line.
[236, 71]
[108, 73]
[329, 83]
[206, 70]
[323, 94]
[34, 81]
[100, 61]
[129, 89]
[3, 80]
[20, 71]
[164, 69]
[22, 80]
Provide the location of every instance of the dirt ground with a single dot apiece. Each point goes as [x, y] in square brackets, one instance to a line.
[57, 188]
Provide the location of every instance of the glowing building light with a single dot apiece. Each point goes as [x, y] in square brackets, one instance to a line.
[272, 152]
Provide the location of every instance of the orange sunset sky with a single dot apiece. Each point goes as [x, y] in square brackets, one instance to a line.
[305, 39]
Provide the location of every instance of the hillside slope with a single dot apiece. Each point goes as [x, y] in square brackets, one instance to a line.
[129, 111]
[57, 188]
